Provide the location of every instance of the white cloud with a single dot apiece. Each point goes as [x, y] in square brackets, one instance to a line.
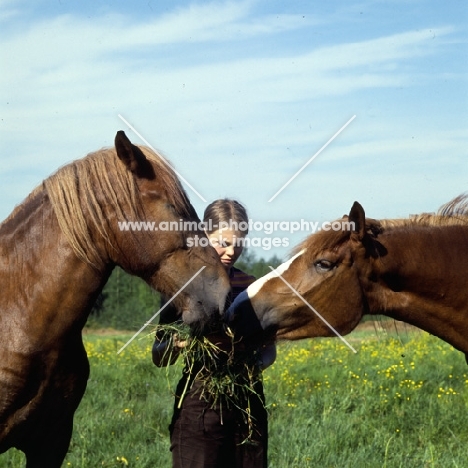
[69, 77]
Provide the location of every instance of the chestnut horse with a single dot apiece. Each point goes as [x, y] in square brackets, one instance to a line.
[58, 249]
[414, 270]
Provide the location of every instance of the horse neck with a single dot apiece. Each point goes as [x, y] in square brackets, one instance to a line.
[46, 285]
[422, 281]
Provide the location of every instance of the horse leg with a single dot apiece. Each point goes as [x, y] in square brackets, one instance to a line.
[49, 440]
[50, 449]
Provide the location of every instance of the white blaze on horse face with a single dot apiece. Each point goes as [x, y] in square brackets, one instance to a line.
[255, 287]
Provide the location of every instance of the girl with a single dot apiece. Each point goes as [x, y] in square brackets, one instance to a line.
[207, 430]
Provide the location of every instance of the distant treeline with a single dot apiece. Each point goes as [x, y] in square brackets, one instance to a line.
[127, 302]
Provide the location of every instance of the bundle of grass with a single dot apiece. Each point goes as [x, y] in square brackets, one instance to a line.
[223, 372]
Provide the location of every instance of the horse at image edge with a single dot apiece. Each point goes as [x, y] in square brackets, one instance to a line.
[414, 270]
[58, 249]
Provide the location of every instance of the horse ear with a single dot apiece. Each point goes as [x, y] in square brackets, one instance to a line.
[132, 156]
[358, 217]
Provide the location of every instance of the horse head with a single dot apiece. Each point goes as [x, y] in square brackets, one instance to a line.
[162, 255]
[125, 206]
[319, 287]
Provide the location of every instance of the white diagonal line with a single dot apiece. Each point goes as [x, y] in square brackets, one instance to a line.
[160, 310]
[162, 158]
[312, 158]
[313, 310]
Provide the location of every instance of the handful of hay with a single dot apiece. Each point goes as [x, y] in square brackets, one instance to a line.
[225, 375]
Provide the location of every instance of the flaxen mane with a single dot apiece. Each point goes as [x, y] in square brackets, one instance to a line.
[453, 213]
[79, 191]
[457, 208]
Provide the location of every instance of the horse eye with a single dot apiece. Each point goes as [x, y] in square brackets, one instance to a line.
[324, 265]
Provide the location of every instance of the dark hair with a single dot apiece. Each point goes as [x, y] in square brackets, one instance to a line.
[226, 210]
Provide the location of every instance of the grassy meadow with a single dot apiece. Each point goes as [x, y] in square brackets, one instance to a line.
[401, 401]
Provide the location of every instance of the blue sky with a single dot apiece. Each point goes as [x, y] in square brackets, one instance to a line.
[239, 95]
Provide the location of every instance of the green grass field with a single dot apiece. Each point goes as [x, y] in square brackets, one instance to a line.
[399, 402]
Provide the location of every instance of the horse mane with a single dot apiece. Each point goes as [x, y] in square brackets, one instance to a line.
[79, 190]
[458, 207]
[453, 213]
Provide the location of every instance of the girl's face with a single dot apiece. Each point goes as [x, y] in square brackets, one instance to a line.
[228, 245]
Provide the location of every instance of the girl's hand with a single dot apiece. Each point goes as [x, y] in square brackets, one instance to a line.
[178, 343]
[165, 352]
